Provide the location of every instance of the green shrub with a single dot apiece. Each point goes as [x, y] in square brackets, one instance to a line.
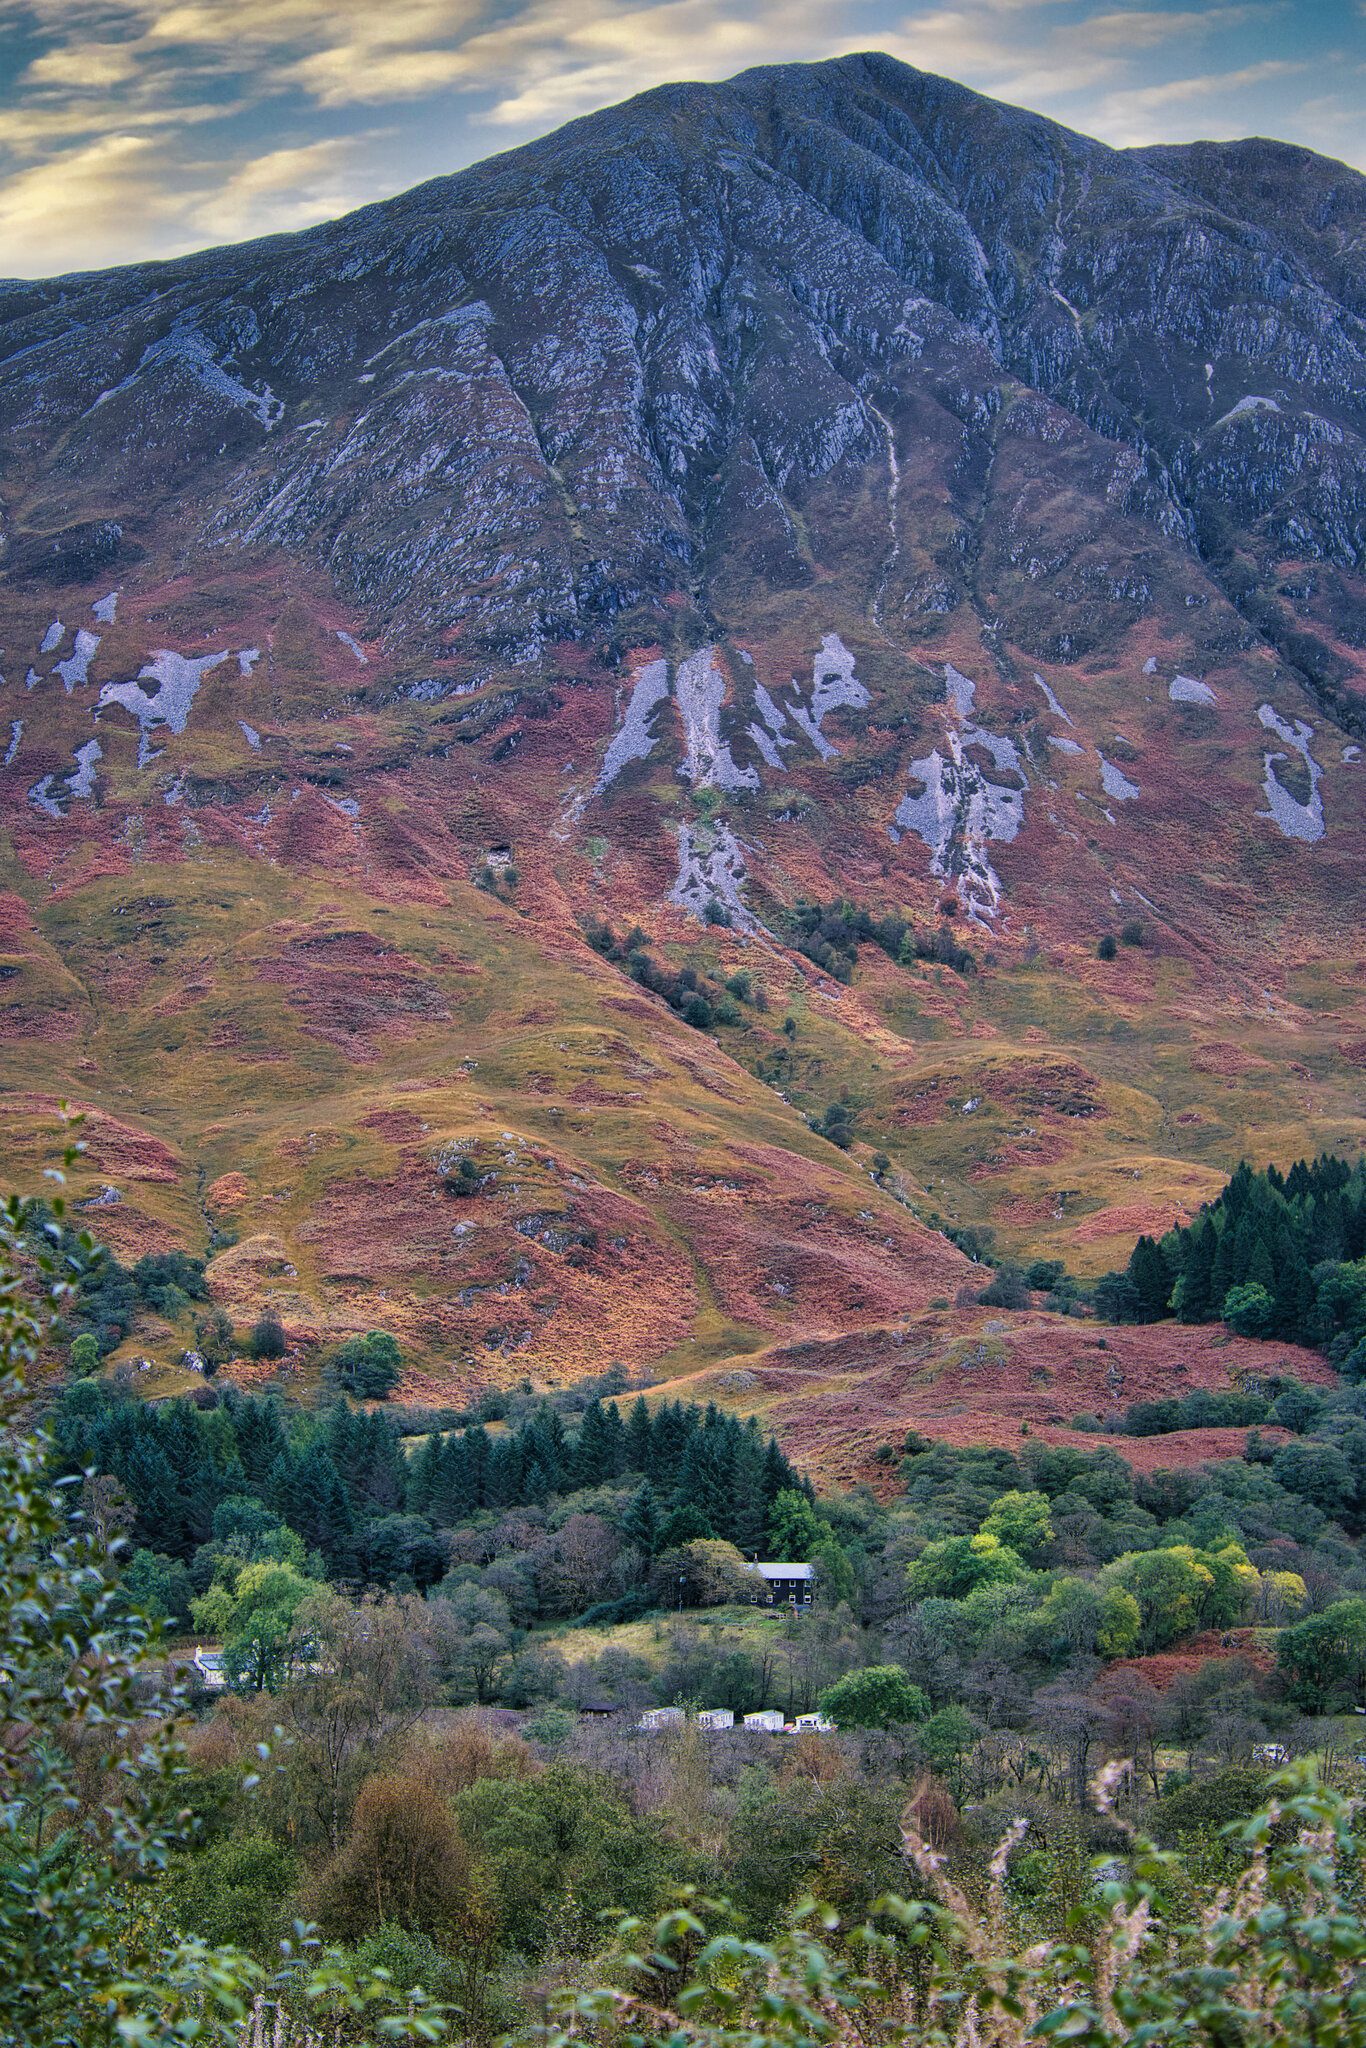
[1250, 1309]
[1282, 1963]
[268, 1337]
[879, 1696]
[235, 1892]
[84, 1355]
[836, 1123]
[1008, 1289]
[368, 1366]
[1205, 1806]
[88, 1958]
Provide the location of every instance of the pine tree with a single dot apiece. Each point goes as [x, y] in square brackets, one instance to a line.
[615, 1453]
[639, 1439]
[1229, 1255]
[454, 1492]
[425, 1472]
[778, 1474]
[260, 1439]
[147, 1474]
[544, 1443]
[478, 1448]
[593, 1457]
[1151, 1278]
[749, 1507]
[382, 1464]
[318, 1507]
[673, 1426]
[537, 1485]
[183, 1440]
[503, 1477]
[640, 1523]
[1261, 1267]
[1193, 1297]
[701, 1480]
[342, 1433]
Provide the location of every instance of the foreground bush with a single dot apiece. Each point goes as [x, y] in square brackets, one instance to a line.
[1278, 1959]
[457, 1877]
[93, 1778]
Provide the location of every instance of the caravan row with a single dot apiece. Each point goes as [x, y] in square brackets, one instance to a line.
[712, 1719]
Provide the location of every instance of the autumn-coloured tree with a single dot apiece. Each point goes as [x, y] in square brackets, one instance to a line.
[404, 1860]
[405, 1863]
[360, 1676]
[576, 1562]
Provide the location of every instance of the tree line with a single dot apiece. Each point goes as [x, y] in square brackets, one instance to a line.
[1274, 1255]
[341, 1481]
[171, 1869]
[831, 934]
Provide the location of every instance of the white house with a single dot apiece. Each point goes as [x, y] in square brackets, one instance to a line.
[655, 1718]
[783, 1584]
[769, 1721]
[816, 1722]
[209, 1666]
[716, 1717]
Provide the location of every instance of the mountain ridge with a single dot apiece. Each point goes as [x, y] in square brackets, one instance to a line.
[826, 485]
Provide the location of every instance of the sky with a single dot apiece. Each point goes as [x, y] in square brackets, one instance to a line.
[145, 128]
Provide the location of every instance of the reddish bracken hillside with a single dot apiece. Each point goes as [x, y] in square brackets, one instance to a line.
[990, 1380]
[440, 663]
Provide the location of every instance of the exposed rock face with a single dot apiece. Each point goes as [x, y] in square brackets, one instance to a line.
[711, 869]
[965, 798]
[1298, 818]
[440, 643]
[520, 404]
[700, 689]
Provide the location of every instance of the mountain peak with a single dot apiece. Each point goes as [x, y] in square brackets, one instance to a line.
[492, 629]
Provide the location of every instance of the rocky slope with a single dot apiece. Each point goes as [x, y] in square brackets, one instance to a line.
[829, 483]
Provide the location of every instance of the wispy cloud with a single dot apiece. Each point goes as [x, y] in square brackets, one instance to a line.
[1136, 116]
[286, 188]
[145, 126]
[88, 64]
[551, 63]
[86, 200]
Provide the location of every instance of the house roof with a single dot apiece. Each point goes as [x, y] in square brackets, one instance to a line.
[784, 1571]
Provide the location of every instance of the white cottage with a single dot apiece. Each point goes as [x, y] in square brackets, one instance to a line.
[208, 1665]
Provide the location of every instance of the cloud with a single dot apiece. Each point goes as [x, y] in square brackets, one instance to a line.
[35, 130]
[111, 201]
[1133, 118]
[1173, 91]
[274, 90]
[287, 188]
[367, 70]
[1018, 52]
[86, 207]
[968, 43]
[1128, 29]
[88, 64]
[553, 62]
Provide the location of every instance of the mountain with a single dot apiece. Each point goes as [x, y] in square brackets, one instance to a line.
[830, 484]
